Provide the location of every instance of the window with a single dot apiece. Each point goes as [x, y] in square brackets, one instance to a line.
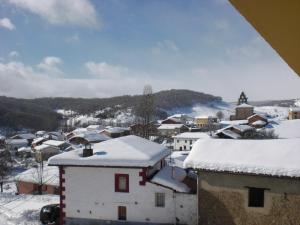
[256, 197]
[184, 147]
[121, 213]
[191, 142]
[121, 182]
[177, 141]
[185, 141]
[159, 199]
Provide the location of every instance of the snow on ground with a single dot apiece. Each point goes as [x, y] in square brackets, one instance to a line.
[287, 128]
[23, 209]
[65, 112]
[82, 120]
[273, 111]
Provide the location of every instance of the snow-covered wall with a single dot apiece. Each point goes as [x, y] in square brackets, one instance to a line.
[90, 193]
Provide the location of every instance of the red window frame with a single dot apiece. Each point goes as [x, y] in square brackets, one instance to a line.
[117, 177]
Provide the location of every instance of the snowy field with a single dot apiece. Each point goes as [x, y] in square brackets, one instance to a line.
[22, 209]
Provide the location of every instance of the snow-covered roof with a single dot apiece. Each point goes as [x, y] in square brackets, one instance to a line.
[171, 177]
[24, 136]
[192, 135]
[114, 130]
[177, 158]
[295, 109]
[170, 126]
[40, 132]
[54, 143]
[229, 133]
[259, 122]
[16, 141]
[92, 137]
[275, 157]
[244, 105]
[258, 114]
[37, 140]
[179, 116]
[233, 122]
[242, 128]
[24, 149]
[50, 175]
[95, 127]
[2, 137]
[44, 147]
[174, 119]
[287, 128]
[127, 151]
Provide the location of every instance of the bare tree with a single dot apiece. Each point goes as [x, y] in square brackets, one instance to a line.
[5, 166]
[220, 115]
[145, 110]
[261, 134]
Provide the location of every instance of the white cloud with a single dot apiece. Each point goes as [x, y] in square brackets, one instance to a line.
[14, 54]
[165, 46]
[222, 25]
[104, 70]
[261, 81]
[20, 80]
[72, 39]
[58, 12]
[7, 24]
[50, 65]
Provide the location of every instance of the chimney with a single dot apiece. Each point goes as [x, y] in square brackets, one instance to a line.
[87, 151]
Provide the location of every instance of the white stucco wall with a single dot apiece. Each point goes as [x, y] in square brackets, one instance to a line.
[181, 142]
[90, 193]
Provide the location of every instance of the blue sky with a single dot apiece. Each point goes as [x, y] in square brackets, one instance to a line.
[85, 48]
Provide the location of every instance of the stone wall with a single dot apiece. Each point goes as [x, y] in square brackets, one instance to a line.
[223, 199]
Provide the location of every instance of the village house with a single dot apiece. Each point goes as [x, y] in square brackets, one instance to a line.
[28, 182]
[257, 121]
[234, 131]
[185, 141]
[247, 181]
[294, 113]
[50, 148]
[138, 129]
[88, 137]
[12, 145]
[115, 132]
[204, 122]
[169, 130]
[123, 181]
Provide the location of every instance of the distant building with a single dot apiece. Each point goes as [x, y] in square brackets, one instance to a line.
[88, 138]
[124, 181]
[294, 113]
[185, 141]
[243, 110]
[169, 130]
[257, 121]
[138, 129]
[115, 132]
[242, 99]
[204, 122]
[28, 182]
[246, 182]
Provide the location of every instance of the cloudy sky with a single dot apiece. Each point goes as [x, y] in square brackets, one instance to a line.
[85, 48]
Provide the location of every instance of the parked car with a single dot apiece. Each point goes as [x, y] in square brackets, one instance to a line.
[49, 214]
